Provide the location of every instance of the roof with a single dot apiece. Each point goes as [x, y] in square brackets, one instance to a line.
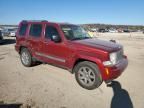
[34, 21]
[59, 23]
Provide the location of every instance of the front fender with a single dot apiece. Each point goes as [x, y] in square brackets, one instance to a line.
[95, 60]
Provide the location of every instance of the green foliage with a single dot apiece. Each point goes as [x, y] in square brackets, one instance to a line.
[108, 26]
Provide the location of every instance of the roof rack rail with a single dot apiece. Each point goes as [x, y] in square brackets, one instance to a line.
[34, 21]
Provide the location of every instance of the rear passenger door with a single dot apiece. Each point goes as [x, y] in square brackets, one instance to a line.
[35, 37]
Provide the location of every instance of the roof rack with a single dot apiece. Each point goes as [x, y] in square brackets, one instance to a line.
[34, 21]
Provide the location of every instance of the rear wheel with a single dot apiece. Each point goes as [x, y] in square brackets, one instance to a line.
[26, 57]
[88, 75]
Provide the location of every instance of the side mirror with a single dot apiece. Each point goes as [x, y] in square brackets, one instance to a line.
[56, 38]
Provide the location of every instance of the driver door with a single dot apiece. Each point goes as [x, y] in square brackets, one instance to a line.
[55, 53]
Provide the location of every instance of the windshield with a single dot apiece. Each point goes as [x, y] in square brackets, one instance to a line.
[73, 32]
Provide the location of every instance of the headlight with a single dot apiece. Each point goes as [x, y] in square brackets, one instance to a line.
[113, 58]
[112, 61]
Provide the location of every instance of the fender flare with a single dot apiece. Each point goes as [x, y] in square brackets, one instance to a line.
[95, 60]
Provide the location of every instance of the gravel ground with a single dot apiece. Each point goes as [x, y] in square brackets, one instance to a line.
[46, 86]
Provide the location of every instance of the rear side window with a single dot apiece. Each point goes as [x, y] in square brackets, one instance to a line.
[36, 30]
[23, 29]
[50, 31]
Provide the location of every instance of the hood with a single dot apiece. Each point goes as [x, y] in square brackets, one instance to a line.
[99, 44]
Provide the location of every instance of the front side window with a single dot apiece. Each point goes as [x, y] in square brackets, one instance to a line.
[73, 32]
[36, 30]
[23, 29]
[50, 31]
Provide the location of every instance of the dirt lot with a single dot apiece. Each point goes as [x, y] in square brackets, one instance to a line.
[46, 86]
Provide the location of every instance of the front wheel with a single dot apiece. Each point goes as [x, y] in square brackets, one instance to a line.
[88, 75]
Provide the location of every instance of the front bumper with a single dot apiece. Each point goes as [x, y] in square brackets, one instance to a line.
[115, 71]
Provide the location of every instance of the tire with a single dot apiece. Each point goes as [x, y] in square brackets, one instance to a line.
[88, 75]
[26, 57]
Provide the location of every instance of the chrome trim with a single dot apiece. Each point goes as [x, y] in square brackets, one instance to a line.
[51, 57]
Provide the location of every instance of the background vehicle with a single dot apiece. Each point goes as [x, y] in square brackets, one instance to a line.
[126, 31]
[9, 32]
[102, 30]
[1, 37]
[70, 47]
[112, 31]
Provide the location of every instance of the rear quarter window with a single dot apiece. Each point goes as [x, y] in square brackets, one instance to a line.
[23, 29]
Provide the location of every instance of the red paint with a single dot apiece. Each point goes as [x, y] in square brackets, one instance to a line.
[94, 50]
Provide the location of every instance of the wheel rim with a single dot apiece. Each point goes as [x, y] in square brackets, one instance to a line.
[25, 58]
[86, 76]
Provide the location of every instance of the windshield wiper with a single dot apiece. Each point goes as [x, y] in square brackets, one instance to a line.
[76, 38]
[86, 37]
[80, 38]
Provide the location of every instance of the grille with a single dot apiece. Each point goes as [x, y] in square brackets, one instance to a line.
[119, 54]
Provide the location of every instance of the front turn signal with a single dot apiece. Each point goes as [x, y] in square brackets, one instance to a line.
[107, 71]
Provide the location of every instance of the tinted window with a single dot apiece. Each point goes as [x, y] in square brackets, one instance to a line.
[36, 30]
[50, 31]
[23, 29]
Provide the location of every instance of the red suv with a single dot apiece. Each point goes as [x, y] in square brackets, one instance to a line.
[70, 47]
